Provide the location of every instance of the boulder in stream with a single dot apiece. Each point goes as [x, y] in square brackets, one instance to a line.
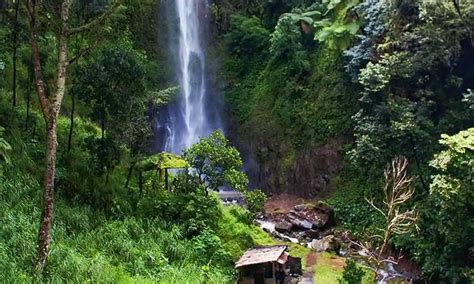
[299, 221]
[312, 234]
[327, 243]
[283, 226]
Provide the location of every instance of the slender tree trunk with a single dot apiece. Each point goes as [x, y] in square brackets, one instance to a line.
[130, 171]
[140, 184]
[102, 122]
[50, 108]
[48, 196]
[71, 125]
[15, 48]
[36, 61]
[28, 99]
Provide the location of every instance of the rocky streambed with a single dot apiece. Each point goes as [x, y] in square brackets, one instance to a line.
[307, 225]
[313, 225]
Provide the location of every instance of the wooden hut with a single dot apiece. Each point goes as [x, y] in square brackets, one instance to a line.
[263, 265]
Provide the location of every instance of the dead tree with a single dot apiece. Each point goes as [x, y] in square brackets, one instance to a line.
[398, 190]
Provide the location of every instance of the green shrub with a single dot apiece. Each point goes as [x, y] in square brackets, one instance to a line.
[255, 200]
[352, 274]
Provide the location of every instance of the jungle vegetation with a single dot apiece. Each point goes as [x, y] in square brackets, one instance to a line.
[80, 81]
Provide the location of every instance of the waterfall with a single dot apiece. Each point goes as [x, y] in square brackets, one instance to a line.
[193, 114]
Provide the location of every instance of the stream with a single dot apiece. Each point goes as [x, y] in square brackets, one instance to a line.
[384, 275]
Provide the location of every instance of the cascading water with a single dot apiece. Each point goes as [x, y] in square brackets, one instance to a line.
[194, 114]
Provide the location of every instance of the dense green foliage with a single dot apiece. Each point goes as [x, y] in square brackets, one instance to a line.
[171, 237]
[387, 77]
[450, 201]
[216, 164]
[110, 224]
[255, 200]
[352, 273]
[373, 79]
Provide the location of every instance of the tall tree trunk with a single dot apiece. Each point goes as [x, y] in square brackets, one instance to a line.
[102, 122]
[48, 196]
[28, 99]
[50, 108]
[15, 48]
[71, 125]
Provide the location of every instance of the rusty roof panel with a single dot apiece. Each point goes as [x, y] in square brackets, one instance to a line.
[283, 258]
[260, 255]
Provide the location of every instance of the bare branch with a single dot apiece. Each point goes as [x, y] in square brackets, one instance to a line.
[83, 52]
[95, 22]
[396, 192]
[371, 202]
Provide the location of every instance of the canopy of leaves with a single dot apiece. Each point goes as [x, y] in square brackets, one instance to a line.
[216, 163]
[451, 200]
[247, 36]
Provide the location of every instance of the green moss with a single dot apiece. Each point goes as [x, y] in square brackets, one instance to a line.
[162, 160]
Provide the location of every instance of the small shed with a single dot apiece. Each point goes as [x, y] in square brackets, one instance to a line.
[263, 265]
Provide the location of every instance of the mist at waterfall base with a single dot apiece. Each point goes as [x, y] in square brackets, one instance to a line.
[195, 112]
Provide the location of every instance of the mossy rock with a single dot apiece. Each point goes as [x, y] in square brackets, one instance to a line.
[162, 160]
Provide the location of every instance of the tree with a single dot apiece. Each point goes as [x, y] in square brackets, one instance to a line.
[59, 12]
[374, 15]
[15, 32]
[409, 62]
[352, 274]
[113, 83]
[398, 191]
[446, 222]
[255, 200]
[215, 163]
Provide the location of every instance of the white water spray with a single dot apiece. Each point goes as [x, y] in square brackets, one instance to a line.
[190, 118]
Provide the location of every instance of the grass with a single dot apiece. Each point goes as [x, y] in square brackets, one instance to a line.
[328, 268]
[296, 250]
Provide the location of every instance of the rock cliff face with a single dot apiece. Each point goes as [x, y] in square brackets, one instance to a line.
[306, 174]
[275, 167]
[313, 170]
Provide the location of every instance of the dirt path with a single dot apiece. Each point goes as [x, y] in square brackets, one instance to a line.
[311, 259]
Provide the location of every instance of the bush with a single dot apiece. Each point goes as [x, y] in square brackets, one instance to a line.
[247, 36]
[352, 274]
[255, 201]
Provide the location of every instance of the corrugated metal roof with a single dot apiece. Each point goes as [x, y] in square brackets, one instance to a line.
[260, 255]
[283, 258]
